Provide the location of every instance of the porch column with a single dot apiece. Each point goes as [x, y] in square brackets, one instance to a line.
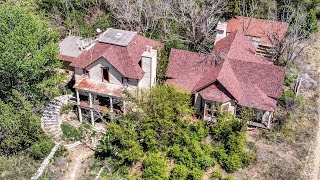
[78, 98]
[90, 100]
[111, 104]
[79, 108]
[124, 106]
[80, 114]
[269, 120]
[205, 108]
[91, 110]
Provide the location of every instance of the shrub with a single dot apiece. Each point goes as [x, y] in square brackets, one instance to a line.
[155, 166]
[229, 148]
[41, 149]
[179, 172]
[217, 175]
[66, 109]
[195, 174]
[72, 133]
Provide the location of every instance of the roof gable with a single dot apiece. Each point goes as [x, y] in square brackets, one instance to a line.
[257, 27]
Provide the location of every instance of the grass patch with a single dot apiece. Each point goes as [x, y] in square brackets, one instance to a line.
[66, 109]
[72, 133]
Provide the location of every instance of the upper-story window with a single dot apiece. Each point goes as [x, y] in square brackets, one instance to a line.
[105, 74]
[86, 72]
[125, 81]
[220, 31]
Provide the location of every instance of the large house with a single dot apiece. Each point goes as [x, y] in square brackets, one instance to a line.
[263, 33]
[106, 65]
[230, 77]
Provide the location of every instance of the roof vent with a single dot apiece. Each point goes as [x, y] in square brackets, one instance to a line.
[118, 35]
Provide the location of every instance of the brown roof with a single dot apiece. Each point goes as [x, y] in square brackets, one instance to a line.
[99, 87]
[249, 79]
[124, 58]
[257, 27]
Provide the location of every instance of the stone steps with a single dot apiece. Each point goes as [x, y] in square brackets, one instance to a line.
[50, 117]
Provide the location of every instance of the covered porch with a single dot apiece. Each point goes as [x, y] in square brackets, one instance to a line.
[99, 99]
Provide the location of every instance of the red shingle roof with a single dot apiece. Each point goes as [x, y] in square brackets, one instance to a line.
[249, 79]
[214, 93]
[257, 27]
[238, 46]
[124, 59]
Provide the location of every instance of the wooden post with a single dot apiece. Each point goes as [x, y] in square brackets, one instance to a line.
[79, 108]
[78, 97]
[269, 120]
[111, 104]
[205, 109]
[124, 106]
[80, 114]
[92, 117]
[90, 100]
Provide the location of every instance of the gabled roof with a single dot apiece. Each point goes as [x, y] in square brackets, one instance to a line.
[250, 80]
[237, 46]
[257, 27]
[124, 58]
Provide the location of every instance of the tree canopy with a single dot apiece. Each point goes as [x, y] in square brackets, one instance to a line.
[28, 52]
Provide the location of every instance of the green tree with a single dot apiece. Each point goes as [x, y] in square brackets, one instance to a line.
[28, 52]
[19, 126]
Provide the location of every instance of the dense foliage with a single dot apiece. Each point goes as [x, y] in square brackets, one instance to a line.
[229, 150]
[155, 166]
[28, 52]
[19, 126]
[165, 127]
[41, 149]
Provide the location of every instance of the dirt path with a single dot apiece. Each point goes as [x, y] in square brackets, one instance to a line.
[76, 168]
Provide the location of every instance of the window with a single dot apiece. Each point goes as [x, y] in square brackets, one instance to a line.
[140, 63]
[125, 80]
[86, 72]
[220, 31]
[105, 74]
[225, 107]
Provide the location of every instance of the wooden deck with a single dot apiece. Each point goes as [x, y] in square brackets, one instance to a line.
[257, 125]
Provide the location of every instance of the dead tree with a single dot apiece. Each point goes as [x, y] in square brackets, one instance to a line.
[287, 48]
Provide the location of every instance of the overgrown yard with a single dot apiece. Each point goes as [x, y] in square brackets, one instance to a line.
[20, 166]
[287, 151]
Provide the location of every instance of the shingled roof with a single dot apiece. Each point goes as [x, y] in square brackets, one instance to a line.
[257, 27]
[124, 58]
[241, 75]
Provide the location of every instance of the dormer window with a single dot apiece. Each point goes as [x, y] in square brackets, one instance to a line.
[105, 74]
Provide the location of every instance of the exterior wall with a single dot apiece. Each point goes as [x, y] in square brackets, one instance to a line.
[95, 72]
[149, 66]
[78, 74]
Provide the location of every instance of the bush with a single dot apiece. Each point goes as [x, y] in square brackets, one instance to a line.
[229, 148]
[72, 133]
[217, 175]
[41, 149]
[179, 172]
[66, 109]
[155, 166]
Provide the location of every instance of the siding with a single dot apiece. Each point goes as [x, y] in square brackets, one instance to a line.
[149, 67]
[96, 74]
